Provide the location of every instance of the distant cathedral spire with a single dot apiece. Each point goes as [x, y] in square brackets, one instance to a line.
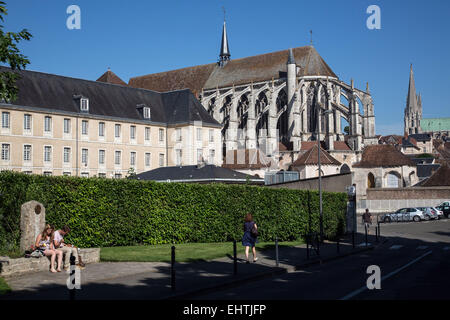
[224, 48]
[413, 110]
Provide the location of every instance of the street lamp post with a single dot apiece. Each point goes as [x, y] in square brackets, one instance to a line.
[320, 169]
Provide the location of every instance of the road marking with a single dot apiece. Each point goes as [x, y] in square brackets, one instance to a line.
[396, 247]
[422, 247]
[363, 244]
[362, 289]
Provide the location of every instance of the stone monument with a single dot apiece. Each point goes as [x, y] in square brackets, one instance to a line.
[32, 222]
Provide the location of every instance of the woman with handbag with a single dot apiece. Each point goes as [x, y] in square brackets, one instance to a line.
[250, 237]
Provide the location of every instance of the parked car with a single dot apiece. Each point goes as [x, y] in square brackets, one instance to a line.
[439, 212]
[404, 214]
[445, 208]
[429, 213]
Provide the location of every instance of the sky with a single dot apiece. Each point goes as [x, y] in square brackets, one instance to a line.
[136, 37]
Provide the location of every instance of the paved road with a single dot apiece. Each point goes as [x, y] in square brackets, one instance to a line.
[414, 263]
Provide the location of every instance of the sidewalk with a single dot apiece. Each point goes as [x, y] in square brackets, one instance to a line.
[148, 280]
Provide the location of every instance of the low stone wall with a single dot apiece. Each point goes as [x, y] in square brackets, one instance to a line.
[332, 183]
[14, 267]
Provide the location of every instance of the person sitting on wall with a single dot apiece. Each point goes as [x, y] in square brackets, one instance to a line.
[67, 249]
[44, 245]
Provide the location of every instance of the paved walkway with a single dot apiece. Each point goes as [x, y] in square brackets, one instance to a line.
[148, 280]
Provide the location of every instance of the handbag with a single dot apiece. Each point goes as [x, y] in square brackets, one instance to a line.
[254, 231]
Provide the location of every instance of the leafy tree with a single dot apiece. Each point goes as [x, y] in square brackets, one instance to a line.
[10, 55]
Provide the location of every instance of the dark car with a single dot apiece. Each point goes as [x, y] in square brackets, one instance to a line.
[445, 208]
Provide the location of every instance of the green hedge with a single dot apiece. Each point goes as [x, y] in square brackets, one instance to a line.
[110, 212]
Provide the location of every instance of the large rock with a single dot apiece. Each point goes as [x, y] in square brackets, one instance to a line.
[32, 222]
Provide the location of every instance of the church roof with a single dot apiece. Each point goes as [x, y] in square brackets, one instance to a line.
[310, 157]
[383, 155]
[435, 125]
[54, 93]
[411, 100]
[258, 68]
[111, 77]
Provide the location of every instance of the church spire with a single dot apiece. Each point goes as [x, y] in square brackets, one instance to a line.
[224, 48]
[411, 102]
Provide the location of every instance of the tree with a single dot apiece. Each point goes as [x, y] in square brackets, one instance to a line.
[10, 55]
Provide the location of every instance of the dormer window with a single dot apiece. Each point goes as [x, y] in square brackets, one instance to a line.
[84, 105]
[146, 112]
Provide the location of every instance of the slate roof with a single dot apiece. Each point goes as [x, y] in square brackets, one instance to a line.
[440, 178]
[421, 137]
[383, 155]
[207, 173]
[310, 157]
[426, 170]
[51, 92]
[236, 72]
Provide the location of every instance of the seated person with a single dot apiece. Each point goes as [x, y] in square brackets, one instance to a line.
[65, 248]
[44, 244]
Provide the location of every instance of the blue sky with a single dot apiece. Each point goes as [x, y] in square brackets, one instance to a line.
[138, 37]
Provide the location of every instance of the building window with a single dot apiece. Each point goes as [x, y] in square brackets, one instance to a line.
[102, 175]
[84, 156]
[133, 158]
[84, 104]
[178, 155]
[47, 153]
[211, 135]
[27, 152]
[147, 113]
[47, 173]
[161, 135]
[117, 130]
[28, 172]
[66, 125]
[67, 174]
[117, 176]
[161, 160]
[212, 155]
[118, 155]
[101, 156]
[48, 124]
[84, 127]
[147, 134]
[27, 122]
[178, 130]
[5, 152]
[199, 134]
[147, 159]
[5, 120]
[66, 155]
[101, 129]
[132, 132]
[85, 174]
[199, 155]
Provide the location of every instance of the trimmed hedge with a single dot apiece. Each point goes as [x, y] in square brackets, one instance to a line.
[110, 212]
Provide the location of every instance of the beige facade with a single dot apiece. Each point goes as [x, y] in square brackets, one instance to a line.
[59, 143]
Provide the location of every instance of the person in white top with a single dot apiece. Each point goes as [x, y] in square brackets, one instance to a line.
[67, 249]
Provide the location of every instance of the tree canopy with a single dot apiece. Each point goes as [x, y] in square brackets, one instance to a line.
[10, 55]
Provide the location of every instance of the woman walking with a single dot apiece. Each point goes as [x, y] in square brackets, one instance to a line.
[250, 237]
[44, 243]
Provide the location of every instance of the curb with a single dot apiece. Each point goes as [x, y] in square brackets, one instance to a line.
[264, 275]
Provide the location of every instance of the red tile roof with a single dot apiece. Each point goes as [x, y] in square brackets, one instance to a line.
[383, 155]
[310, 157]
[111, 77]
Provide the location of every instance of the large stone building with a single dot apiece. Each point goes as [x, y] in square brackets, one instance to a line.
[278, 96]
[65, 126]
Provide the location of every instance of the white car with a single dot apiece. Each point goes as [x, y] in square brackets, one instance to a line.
[440, 213]
[404, 214]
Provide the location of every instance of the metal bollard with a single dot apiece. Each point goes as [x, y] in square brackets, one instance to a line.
[376, 234]
[276, 251]
[353, 239]
[365, 227]
[72, 276]
[234, 258]
[379, 230]
[337, 245]
[172, 278]
[307, 247]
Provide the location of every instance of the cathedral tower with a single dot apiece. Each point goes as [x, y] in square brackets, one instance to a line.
[413, 110]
